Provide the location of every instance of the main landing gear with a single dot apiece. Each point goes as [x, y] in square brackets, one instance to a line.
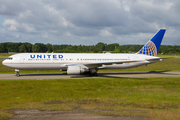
[17, 72]
[93, 72]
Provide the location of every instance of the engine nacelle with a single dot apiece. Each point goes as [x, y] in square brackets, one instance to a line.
[75, 70]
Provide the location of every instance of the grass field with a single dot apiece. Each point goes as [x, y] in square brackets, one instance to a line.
[157, 98]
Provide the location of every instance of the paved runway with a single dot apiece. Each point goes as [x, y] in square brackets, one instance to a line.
[100, 75]
[3, 58]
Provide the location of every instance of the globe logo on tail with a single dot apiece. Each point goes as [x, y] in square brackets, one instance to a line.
[149, 49]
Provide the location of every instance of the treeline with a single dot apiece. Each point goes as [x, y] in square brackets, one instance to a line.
[98, 48]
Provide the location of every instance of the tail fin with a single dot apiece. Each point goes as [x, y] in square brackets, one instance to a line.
[152, 46]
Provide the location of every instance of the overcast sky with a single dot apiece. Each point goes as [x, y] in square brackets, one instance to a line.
[88, 22]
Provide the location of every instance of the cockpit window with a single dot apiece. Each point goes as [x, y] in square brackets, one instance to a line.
[9, 58]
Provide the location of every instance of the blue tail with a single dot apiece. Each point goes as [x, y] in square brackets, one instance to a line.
[152, 46]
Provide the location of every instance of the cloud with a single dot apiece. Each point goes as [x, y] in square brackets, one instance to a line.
[105, 33]
[10, 22]
[12, 28]
[89, 22]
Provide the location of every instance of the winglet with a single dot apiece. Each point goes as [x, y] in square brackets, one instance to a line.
[152, 46]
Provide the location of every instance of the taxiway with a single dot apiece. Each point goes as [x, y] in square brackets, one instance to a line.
[41, 76]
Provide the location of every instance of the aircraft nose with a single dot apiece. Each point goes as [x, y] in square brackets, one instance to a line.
[3, 62]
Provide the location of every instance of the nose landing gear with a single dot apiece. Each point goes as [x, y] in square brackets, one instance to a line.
[17, 72]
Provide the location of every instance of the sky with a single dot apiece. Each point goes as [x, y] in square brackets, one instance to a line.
[88, 22]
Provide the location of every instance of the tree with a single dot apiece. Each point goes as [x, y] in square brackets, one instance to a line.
[13, 47]
[79, 49]
[28, 47]
[39, 47]
[36, 48]
[100, 47]
[2, 48]
[49, 48]
[22, 48]
[112, 47]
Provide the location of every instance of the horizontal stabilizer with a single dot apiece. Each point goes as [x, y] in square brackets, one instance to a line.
[159, 58]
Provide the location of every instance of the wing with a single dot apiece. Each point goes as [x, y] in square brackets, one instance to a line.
[98, 64]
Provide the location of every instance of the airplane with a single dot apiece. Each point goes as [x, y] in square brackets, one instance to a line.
[87, 63]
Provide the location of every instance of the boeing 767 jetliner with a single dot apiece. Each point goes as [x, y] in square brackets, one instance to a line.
[80, 63]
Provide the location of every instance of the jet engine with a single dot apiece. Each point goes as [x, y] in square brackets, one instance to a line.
[76, 70]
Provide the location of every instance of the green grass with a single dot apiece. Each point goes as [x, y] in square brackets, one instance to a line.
[158, 98]
[5, 55]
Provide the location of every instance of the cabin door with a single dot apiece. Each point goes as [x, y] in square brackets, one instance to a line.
[22, 59]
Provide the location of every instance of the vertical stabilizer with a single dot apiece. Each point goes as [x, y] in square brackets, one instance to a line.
[152, 46]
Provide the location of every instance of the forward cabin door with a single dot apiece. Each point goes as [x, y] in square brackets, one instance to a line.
[22, 59]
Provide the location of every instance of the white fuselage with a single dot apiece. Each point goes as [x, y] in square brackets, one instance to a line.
[60, 61]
